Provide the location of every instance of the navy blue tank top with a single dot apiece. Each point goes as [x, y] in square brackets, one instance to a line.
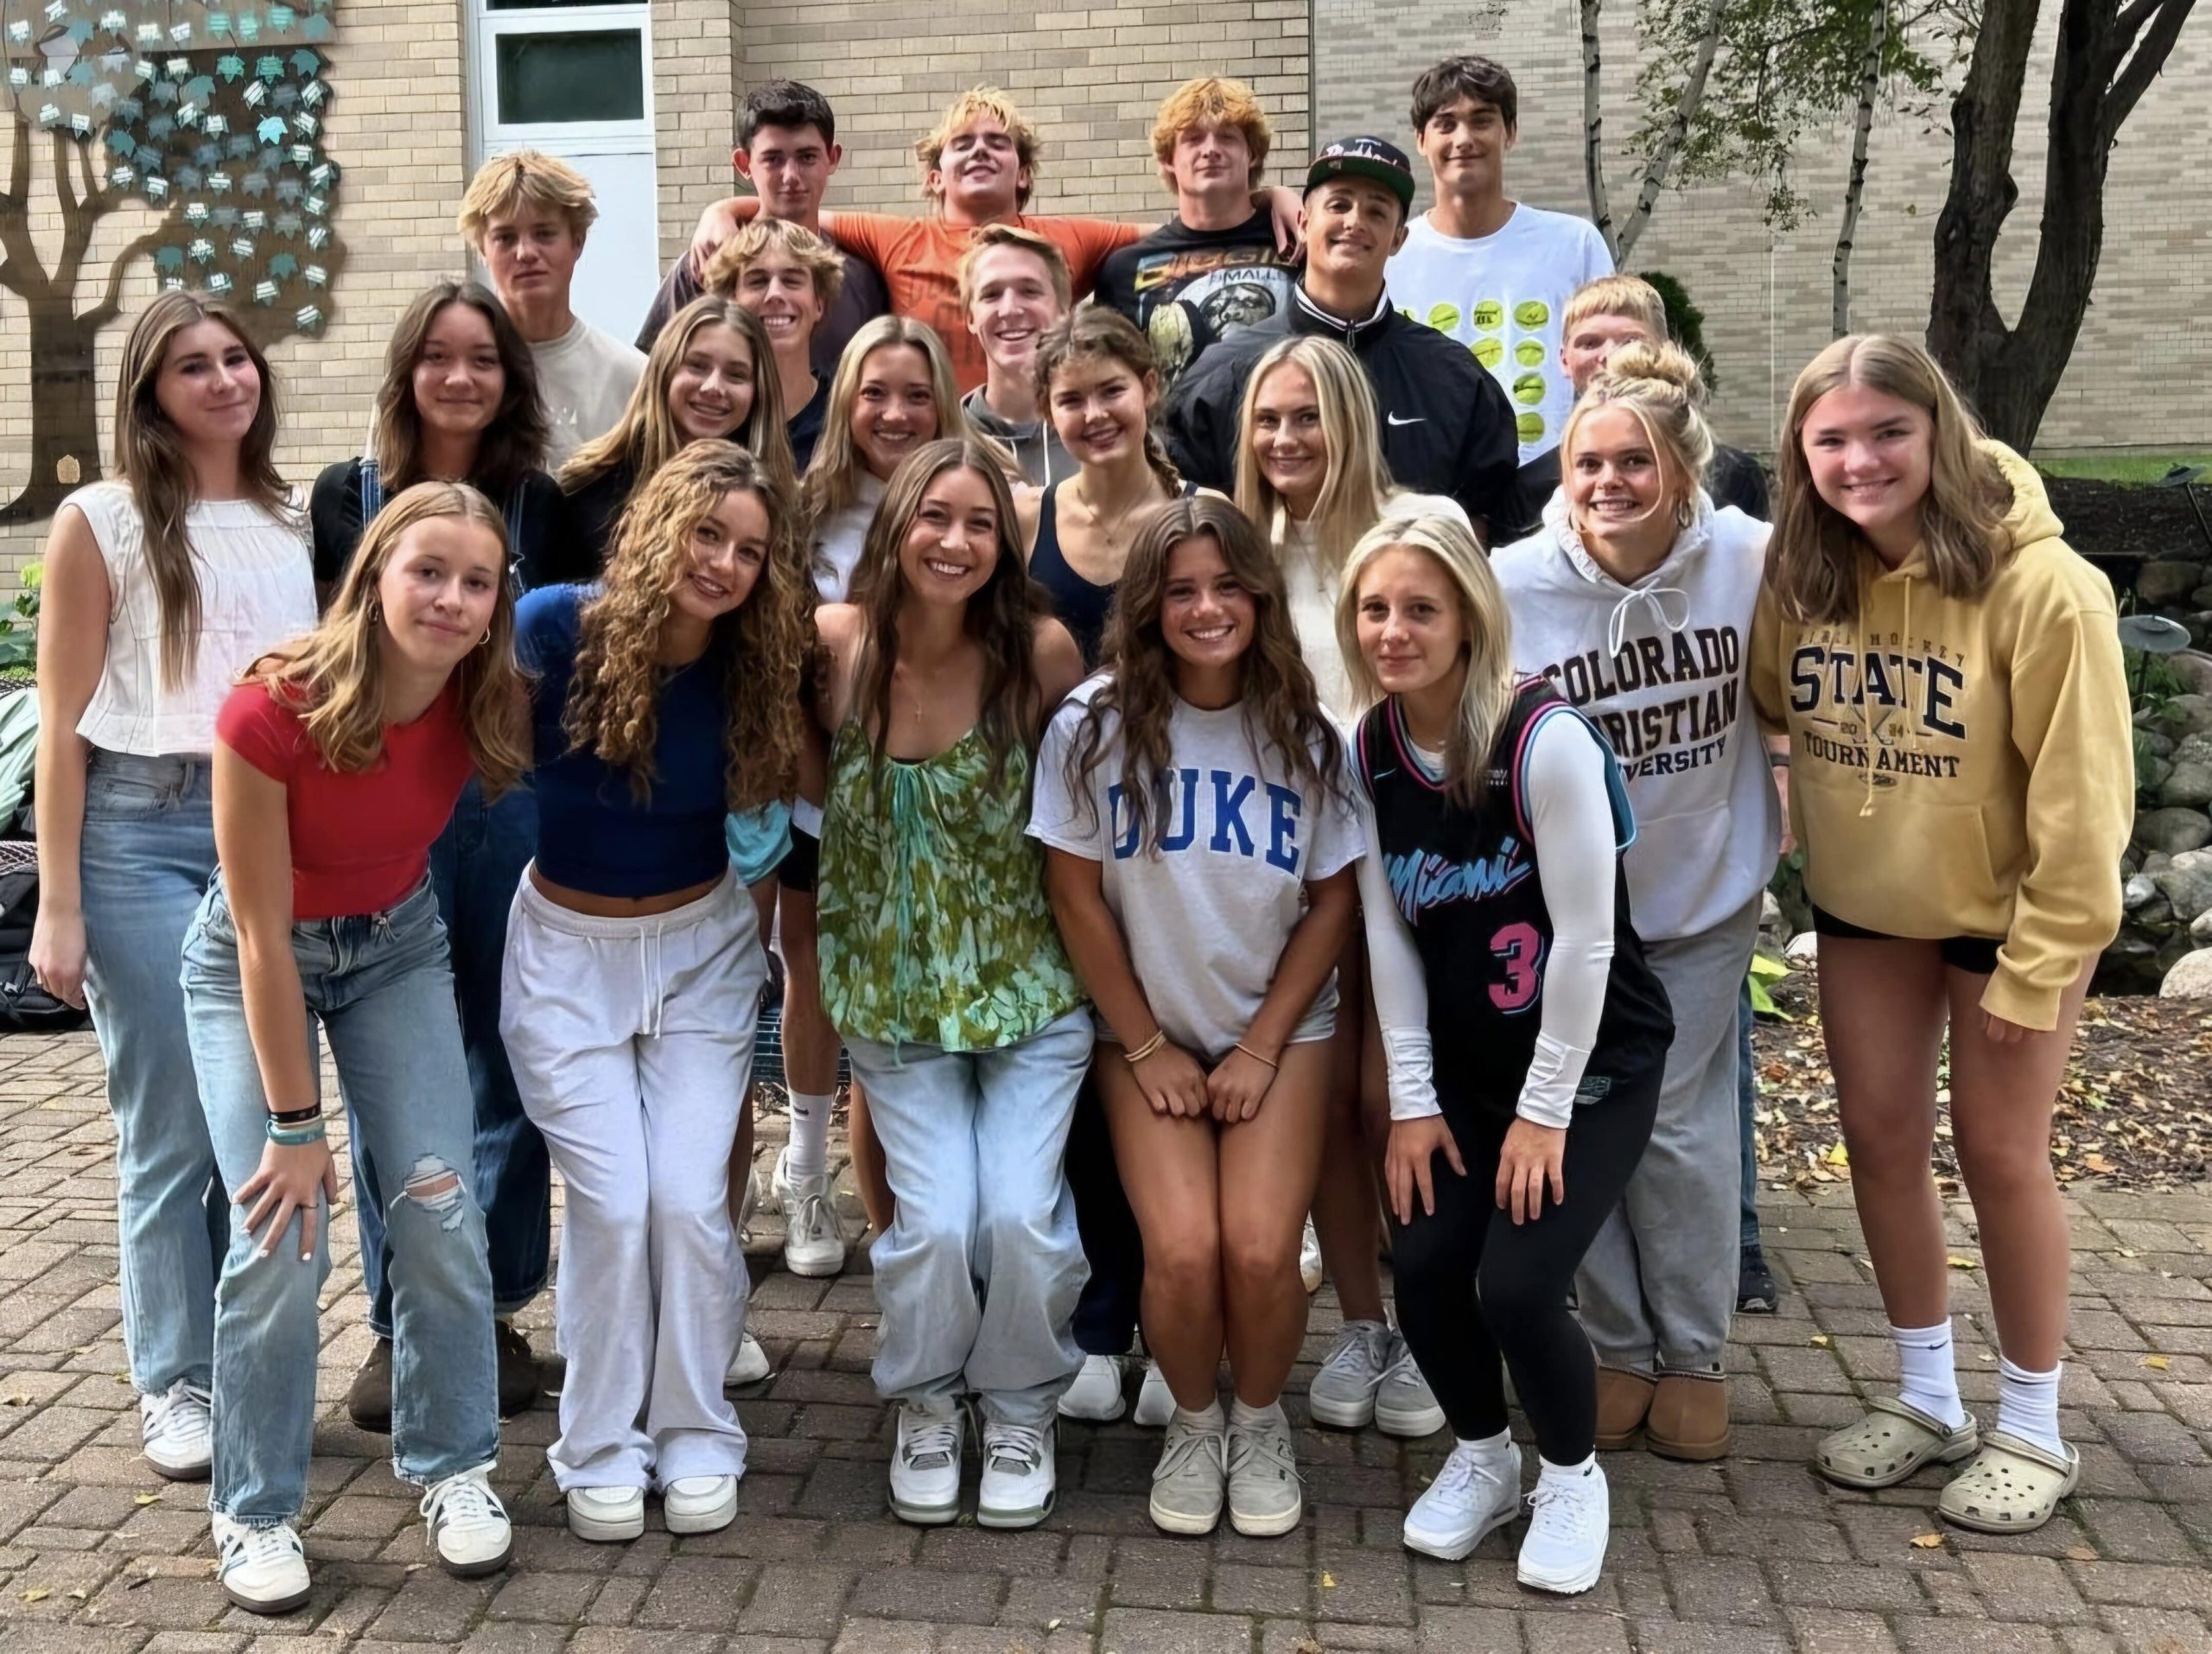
[1466, 881]
[1080, 604]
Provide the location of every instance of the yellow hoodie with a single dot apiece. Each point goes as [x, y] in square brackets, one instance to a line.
[1975, 775]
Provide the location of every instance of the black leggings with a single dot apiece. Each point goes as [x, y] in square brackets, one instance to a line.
[1474, 1285]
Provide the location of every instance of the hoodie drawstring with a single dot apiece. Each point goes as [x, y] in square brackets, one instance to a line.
[1654, 598]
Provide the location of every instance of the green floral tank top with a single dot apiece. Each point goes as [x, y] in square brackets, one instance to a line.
[933, 925]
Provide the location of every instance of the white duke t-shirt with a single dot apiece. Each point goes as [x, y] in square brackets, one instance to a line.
[1207, 902]
[1503, 295]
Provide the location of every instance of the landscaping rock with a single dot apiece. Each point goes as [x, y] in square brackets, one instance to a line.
[1804, 950]
[2186, 786]
[2138, 893]
[2156, 742]
[2186, 714]
[2193, 666]
[2172, 829]
[2186, 881]
[2189, 978]
[2160, 583]
[2201, 931]
[2151, 774]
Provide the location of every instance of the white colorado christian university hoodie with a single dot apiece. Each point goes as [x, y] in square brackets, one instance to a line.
[1659, 667]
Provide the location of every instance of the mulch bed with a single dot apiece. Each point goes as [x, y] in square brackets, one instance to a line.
[2129, 522]
[2135, 1112]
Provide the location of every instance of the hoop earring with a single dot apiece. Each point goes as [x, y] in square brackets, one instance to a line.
[1685, 513]
[484, 642]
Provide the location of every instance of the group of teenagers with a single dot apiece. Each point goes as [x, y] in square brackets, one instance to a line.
[1210, 759]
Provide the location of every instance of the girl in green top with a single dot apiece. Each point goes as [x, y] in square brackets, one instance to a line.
[943, 970]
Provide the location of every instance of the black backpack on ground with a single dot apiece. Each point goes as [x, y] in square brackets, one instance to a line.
[25, 1008]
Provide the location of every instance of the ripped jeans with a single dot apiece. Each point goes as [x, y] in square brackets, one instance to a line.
[379, 987]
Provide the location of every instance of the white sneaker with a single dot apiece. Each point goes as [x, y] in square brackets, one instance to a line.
[813, 1245]
[1188, 1483]
[469, 1529]
[1404, 1404]
[1476, 1492]
[749, 1365]
[783, 1191]
[264, 1570]
[1155, 1402]
[1342, 1392]
[607, 1516]
[1570, 1520]
[1020, 1478]
[699, 1503]
[1309, 1259]
[1097, 1392]
[925, 1466]
[1264, 1496]
[177, 1432]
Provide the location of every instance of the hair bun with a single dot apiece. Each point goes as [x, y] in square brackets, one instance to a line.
[1664, 362]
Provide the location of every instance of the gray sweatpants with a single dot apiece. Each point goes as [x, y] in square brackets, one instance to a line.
[1658, 1285]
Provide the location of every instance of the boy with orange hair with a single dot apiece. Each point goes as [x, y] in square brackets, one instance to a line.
[1214, 267]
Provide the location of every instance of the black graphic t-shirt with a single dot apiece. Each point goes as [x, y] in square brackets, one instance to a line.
[1185, 287]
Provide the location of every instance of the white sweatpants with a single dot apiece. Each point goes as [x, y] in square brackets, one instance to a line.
[632, 1041]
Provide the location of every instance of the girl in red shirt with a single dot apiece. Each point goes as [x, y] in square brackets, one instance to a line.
[338, 761]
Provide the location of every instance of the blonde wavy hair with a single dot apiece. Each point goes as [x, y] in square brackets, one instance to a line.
[833, 479]
[1657, 385]
[928, 148]
[1487, 694]
[1815, 566]
[806, 249]
[333, 677]
[613, 706]
[1356, 484]
[646, 437]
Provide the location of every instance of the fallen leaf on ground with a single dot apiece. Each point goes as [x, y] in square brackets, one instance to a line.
[1328, 1581]
[37, 1593]
[1928, 1542]
[2156, 1362]
[146, 1498]
[2080, 1554]
[1958, 1262]
[1819, 1340]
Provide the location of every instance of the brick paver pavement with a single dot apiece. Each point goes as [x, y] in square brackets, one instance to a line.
[100, 1557]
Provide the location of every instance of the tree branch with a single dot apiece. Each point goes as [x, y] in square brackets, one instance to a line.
[1593, 131]
[1854, 192]
[1661, 159]
[22, 270]
[110, 304]
[2148, 58]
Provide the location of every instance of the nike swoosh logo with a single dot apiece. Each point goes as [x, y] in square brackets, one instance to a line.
[1395, 420]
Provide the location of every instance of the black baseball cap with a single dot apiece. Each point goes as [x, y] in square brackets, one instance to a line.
[1366, 157]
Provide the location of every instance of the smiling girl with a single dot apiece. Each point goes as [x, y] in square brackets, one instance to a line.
[711, 376]
[666, 697]
[943, 970]
[1200, 832]
[1949, 675]
[1636, 599]
[460, 403]
[162, 584]
[340, 758]
[1526, 1033]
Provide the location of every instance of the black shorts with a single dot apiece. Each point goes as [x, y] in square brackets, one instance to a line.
[1975, 955]
[801, 865]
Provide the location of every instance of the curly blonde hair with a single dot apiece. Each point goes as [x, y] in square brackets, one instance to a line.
[333, 677]
[980, 101]
[613, 706]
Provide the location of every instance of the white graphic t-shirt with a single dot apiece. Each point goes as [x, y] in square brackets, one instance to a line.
[1206, 903]
[1503, 296]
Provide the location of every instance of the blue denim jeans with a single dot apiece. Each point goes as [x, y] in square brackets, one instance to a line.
[475, 866]
[1747, 1106]
[378, 986]
[148, 852]
[977, 1278]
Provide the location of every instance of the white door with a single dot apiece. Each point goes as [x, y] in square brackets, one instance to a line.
[576, 80]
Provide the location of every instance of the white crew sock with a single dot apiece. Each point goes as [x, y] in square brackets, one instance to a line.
[810, 1134]
[1549, 1474]
[1489, 1449]
[2027, 1404]
[1241, 1417]
[1930, 1375]
[1206, 1418]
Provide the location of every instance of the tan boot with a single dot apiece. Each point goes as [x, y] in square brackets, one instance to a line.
[1624, 1399]
[1688, 1417]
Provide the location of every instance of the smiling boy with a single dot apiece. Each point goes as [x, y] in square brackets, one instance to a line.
[1490, 271]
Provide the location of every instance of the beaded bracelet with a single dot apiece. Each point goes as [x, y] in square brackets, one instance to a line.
[295, 1136]
[1158, 1038]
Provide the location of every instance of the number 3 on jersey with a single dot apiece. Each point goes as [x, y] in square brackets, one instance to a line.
[1522, 947]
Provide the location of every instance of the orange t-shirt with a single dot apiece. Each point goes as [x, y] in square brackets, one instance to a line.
[920, 260]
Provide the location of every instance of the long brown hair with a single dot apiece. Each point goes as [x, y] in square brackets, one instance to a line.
[1280, 703]
[1097, 333]
[613, 706]
[333, 677]
[510, 447]
[645, 435]
[1001, 618]
[150, 456]
[1814, 567]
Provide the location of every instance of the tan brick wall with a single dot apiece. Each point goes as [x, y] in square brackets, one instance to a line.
[2141, 373]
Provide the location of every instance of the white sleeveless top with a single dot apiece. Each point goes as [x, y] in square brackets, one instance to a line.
[1312, 592]
[256, 591]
